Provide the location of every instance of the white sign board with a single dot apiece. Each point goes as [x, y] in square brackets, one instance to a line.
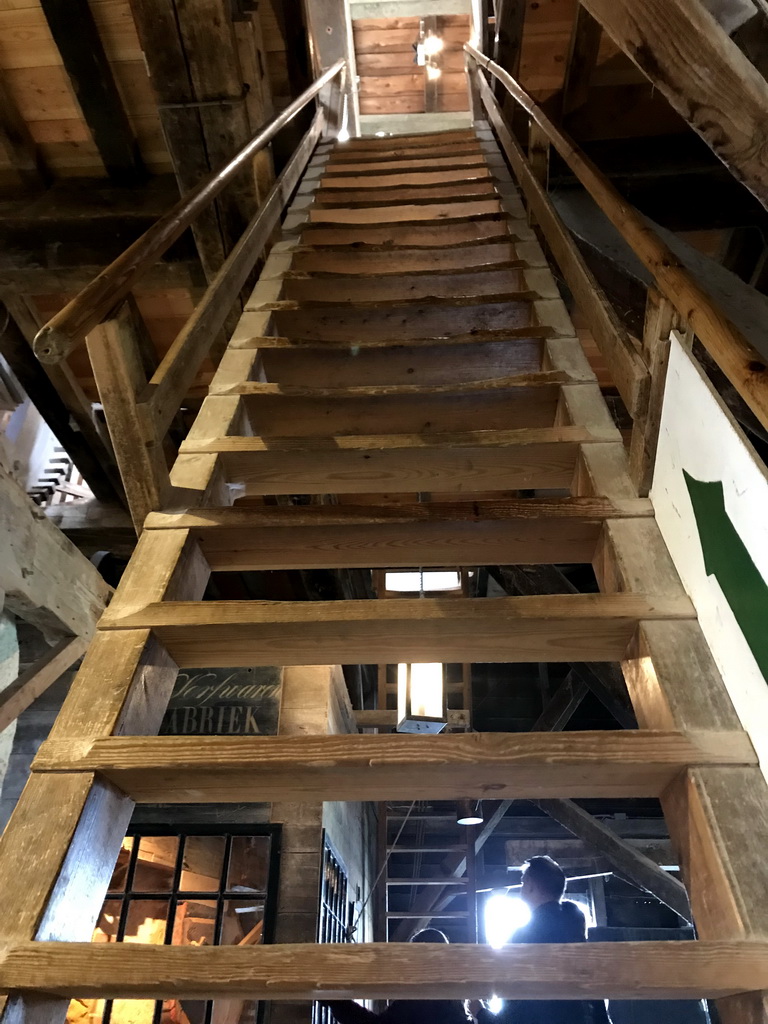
[710, 493]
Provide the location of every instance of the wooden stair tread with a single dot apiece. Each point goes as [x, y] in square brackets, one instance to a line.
[458, 232]
[583, 627]
[617, 970]
[412, 213]
[234, 516]
[546, 378]
[383, 767]
[395, 179]
[397, 196]
[404, 320]
[380, 442]
[413, 163]
[470, 282]
[320, 261]
[267, 537]
[339, 157]
[407, 303]
[533, 332]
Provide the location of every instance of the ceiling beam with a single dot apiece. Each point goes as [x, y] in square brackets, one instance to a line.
[85, 224]
[508, 41]
[582, 60]
[691, 60]
[43, 579]
[626, 860]
[167, 63]
[73, 427]
[17, 142]
[82, 51]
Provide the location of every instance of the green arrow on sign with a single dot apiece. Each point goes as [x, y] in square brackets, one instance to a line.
[728, 560]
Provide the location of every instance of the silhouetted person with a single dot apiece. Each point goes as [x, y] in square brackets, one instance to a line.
[552, 920]
[406, 1011]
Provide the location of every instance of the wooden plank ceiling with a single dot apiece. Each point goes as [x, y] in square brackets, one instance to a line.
[391, 82]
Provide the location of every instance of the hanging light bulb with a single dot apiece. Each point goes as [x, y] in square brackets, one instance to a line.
[420, 698]
[469, 812]
[432, 45]
[433, 73]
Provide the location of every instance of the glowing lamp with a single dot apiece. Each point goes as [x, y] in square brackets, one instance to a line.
[469, 812]
[420, 698]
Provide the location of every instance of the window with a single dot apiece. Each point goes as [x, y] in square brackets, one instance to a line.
[337, 912]
[191, 887]
[414, 582]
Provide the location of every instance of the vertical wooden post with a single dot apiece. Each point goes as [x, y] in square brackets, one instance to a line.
[115, 354]
[380, 927]
[660, 319]
[538, 157]
[471, 883]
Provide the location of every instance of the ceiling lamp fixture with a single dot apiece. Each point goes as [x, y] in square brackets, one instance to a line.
[469, 812]
[421, 698]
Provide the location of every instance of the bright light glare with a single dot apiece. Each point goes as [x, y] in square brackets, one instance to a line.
[411, 581]
[343, 135]
[585, 906]
[381, 135]
[495, 1004]
[504, 914]
[433, 73]
[432, 45]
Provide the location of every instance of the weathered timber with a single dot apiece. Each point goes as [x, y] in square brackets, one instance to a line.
[386, 767]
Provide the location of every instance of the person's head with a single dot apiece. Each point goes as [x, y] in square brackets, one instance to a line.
[429, 935]
[543, 882]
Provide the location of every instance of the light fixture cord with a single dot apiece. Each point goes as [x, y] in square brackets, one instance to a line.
[351, 931]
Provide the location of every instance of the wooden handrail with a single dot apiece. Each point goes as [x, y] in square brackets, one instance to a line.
[744, 366]
[69, 327]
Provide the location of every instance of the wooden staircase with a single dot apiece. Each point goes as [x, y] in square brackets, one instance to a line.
[406, 350]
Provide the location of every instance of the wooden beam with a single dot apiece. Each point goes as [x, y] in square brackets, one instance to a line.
[364, 537]
[660, 319]
[593, 970]
[451, 463]
[164, 53]
[45, 579]
[82, 51]
[184, 769]
[625, 860]
[693, 62]
[604, 681]
[562, 628]
[508, 41]
[562, 705]
[17, 142]
[582, 59]
[73, 225]
[17, 697]
[115, 353]
[50, 404]
[457, 719]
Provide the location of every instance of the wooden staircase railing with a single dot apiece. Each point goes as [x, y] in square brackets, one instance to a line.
[139, 412]
[676, 300]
